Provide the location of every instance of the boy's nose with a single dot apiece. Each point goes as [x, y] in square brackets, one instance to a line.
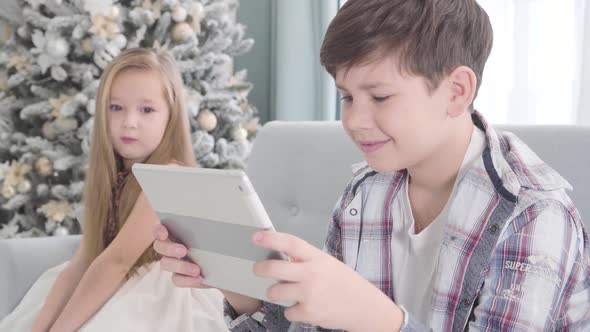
[359, 118]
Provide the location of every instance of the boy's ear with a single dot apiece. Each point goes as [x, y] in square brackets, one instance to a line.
[463, 85]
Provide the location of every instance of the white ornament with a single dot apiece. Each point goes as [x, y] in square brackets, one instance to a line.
[115, 12]
[207, 120]
[179, 14]
[24, 186]
[239, 134]
[182, 32]
[58, 47]
[61, 231]
[120, 41]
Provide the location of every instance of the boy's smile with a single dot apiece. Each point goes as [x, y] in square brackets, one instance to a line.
[393, 118]
[368, 146]
[398, 122]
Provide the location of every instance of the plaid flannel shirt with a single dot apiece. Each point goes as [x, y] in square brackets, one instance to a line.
[514, 257]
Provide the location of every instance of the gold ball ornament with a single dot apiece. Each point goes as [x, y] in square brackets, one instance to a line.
[207, 120]
[182, 32]
[43, 166]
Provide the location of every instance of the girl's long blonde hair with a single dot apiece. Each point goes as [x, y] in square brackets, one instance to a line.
[102, 172]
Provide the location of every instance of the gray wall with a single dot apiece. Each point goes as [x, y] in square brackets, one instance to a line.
[256, 16]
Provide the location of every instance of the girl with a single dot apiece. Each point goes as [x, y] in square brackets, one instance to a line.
[114, 281]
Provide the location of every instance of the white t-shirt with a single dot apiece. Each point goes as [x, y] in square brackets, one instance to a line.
[415, 255]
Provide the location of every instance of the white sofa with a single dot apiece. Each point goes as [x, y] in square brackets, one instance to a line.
[299, 169]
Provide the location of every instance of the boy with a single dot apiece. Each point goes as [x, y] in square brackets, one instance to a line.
[449, 225]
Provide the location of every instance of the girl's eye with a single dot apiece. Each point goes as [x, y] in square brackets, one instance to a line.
[147, 109]
[115, 108]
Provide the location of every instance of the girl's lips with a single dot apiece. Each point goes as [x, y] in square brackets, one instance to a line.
[368, 147]
[128, 140]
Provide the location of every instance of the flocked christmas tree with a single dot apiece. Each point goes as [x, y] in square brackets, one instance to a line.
[50, 61]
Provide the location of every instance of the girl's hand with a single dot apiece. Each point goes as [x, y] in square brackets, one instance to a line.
[187, 274]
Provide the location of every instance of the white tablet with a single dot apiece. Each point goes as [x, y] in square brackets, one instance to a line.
[214, 213]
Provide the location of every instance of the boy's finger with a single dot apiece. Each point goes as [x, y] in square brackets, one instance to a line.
[297, 313]
[294, 247]
[285, 292]
[281, 270]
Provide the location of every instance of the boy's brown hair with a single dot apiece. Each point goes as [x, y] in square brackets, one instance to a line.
[430, 37]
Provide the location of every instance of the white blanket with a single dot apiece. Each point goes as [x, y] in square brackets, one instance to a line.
[147, 302]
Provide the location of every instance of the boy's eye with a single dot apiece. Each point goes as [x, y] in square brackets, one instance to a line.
[147, 109]
[115, 107]
[346, 98]
[380, 99]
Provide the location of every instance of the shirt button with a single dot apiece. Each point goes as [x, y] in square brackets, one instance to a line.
[465, 302]
[353, 212]
[493, 229]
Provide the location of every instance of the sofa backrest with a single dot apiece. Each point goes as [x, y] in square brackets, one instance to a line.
[299, 169]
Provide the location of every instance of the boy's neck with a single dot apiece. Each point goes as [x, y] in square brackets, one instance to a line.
[432, 181]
